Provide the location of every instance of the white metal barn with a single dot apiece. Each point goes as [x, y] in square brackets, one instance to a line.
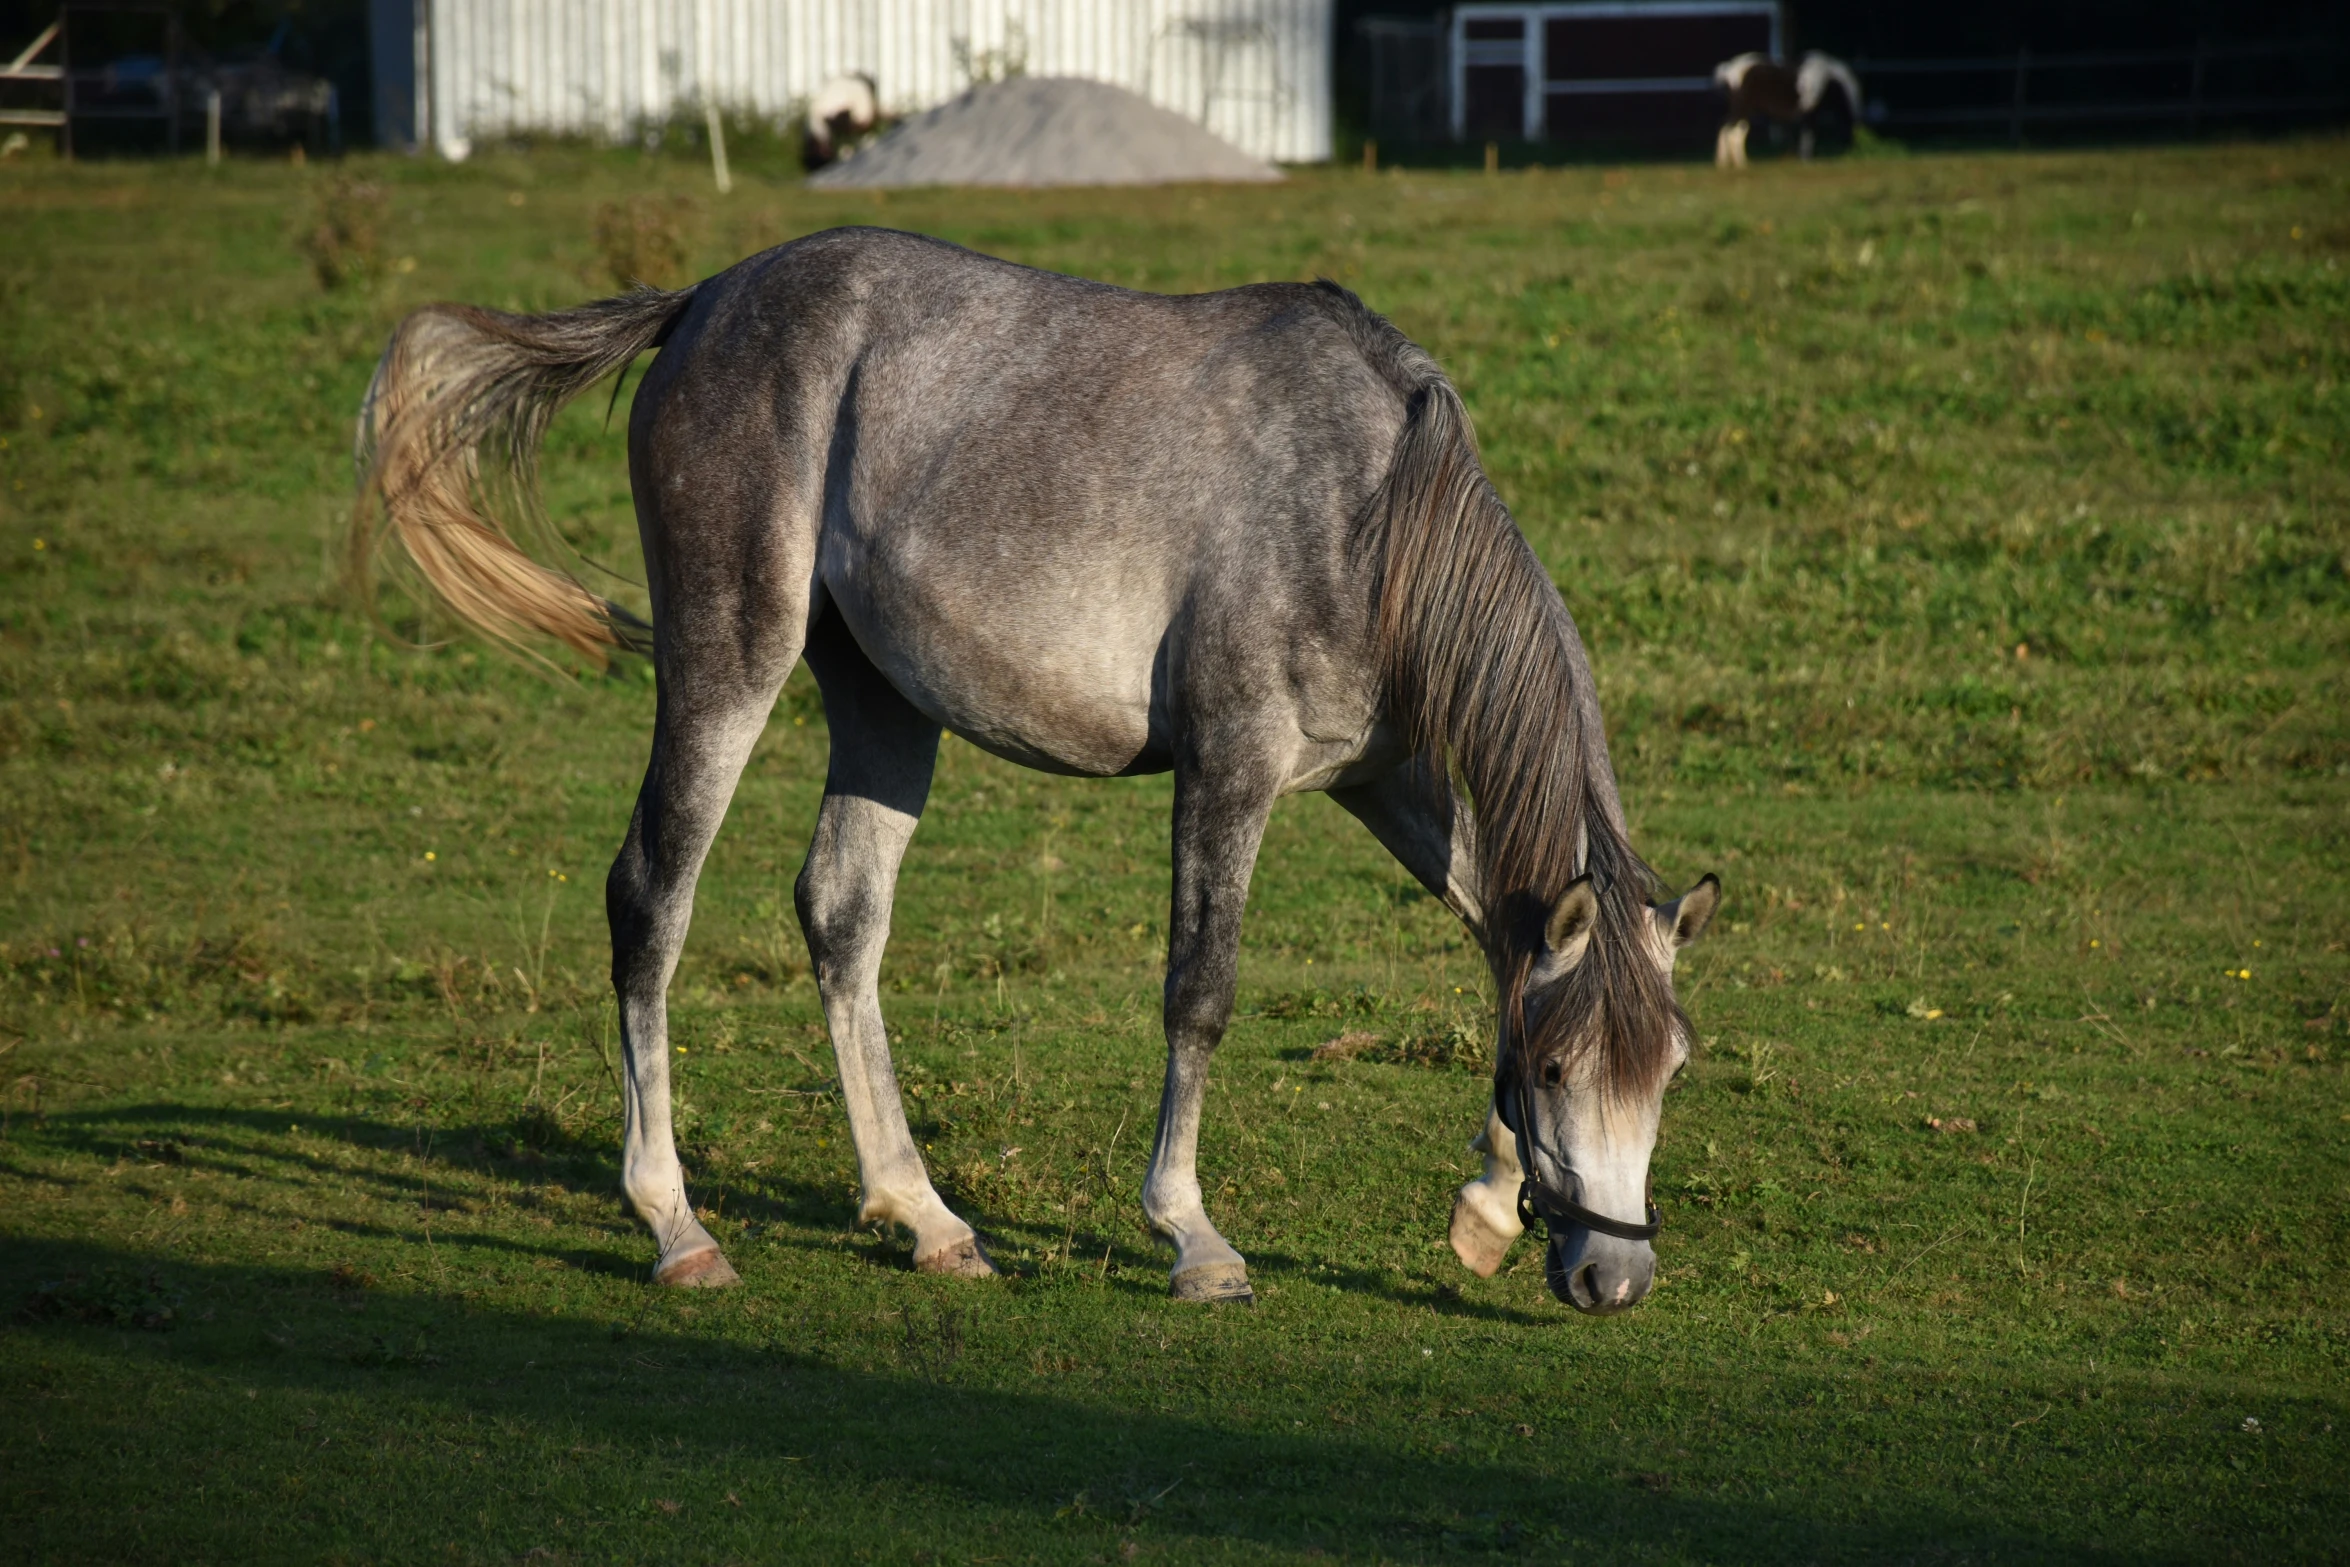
[449, 73]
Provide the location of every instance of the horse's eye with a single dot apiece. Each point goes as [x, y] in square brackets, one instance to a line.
[1550, 1073]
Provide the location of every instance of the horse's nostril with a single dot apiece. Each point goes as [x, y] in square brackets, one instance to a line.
[1584, 1286]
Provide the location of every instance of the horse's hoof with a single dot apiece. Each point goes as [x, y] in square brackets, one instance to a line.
[700, 1270]
[1214, 1281]
[1477, 1243]
[965, 1259]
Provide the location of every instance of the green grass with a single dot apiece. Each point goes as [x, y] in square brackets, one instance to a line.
[1962, 548]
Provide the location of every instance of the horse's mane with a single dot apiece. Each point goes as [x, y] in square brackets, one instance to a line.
[1484, 670]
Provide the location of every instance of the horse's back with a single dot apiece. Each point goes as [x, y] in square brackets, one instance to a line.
[1028, 489]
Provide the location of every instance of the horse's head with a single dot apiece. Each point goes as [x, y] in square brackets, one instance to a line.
[1590, 1036]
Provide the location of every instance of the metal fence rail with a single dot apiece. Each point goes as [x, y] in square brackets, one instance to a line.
[2017, 108]
[25, 68]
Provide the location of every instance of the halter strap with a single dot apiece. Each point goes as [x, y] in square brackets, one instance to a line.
[1535, 1202]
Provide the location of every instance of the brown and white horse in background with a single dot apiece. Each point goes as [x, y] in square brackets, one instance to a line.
[1819, 94]
[845, 111]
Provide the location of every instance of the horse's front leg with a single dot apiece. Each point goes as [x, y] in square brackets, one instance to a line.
[1485, 1211]
[1415, 813]
[1220, 809]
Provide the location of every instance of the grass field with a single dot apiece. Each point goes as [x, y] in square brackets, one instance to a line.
[1964, 550]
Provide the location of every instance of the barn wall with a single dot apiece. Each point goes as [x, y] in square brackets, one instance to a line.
[1256, 72]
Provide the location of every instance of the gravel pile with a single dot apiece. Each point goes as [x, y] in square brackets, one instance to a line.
[1045, 130]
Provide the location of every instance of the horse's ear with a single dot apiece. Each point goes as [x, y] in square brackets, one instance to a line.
[1567, 932]
[1684, 919]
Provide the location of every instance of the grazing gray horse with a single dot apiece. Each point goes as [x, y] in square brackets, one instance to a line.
[1241, 536]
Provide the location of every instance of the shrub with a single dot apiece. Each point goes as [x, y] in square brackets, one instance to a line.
[344, 241]
[642, 239]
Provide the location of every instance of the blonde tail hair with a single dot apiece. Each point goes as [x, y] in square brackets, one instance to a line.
[454, 381]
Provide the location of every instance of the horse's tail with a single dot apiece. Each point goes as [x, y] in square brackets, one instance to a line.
[454, 381]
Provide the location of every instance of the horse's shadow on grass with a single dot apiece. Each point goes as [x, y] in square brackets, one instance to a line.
[797, 1214]
[750, 1443]
[1445, 1300]
[349, 1149]
[219, 1136]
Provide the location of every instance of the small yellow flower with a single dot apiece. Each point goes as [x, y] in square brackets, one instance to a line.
[40, 544]
[429, 855]
[1862, 926]
[2094, 942]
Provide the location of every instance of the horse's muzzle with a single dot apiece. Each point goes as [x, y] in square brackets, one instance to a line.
[1598, 1274]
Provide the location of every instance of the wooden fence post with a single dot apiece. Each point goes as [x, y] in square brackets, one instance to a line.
[718, 170]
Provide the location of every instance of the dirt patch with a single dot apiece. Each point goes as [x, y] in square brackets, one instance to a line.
[1045, 130]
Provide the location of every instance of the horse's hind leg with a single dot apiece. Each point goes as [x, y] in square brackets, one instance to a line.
[883, 751]
[700, 743]
[730, 631]
[1220, 809]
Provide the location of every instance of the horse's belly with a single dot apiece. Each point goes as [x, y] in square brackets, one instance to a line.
[1039, 671]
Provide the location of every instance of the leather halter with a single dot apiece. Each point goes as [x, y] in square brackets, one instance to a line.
[1535, 1200]
[1538, 1201]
